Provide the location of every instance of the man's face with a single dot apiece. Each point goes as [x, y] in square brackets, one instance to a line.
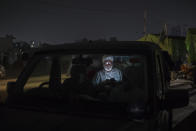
[108, 65]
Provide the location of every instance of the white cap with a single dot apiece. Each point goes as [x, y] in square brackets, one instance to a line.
[106, 57]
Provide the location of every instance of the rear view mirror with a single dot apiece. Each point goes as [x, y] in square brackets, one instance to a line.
[176, 98]
[81, 60]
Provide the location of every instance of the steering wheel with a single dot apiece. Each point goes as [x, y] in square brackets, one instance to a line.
[109, 83]
[43, 84]
[105, 88]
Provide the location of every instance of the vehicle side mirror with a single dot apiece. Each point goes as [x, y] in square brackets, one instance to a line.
[176, 98]
[168, 60]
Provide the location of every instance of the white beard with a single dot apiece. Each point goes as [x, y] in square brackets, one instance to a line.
[108, 69]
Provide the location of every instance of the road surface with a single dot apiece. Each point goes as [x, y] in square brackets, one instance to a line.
[184, 119]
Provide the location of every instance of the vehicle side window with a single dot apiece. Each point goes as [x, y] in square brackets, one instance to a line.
[40, 74]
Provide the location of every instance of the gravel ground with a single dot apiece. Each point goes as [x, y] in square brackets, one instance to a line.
[188, 124]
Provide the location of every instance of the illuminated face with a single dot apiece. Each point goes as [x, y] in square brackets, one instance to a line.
[108, 65]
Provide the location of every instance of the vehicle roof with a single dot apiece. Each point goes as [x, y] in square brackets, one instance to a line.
[96, 46]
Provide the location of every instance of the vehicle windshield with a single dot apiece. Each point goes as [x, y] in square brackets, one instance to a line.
[95, 78]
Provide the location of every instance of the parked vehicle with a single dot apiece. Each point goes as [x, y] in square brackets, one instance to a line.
[2, 72]
[55, 91]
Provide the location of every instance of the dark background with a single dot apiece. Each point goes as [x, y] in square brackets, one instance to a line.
[59, 21]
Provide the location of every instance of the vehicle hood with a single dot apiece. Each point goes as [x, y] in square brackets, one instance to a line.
[35, 121]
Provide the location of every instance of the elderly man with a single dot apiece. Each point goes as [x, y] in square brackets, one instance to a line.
[108, 72]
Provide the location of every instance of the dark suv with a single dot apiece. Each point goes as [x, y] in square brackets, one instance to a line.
[55, 91]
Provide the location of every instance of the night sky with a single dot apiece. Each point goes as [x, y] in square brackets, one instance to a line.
[59, 21]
